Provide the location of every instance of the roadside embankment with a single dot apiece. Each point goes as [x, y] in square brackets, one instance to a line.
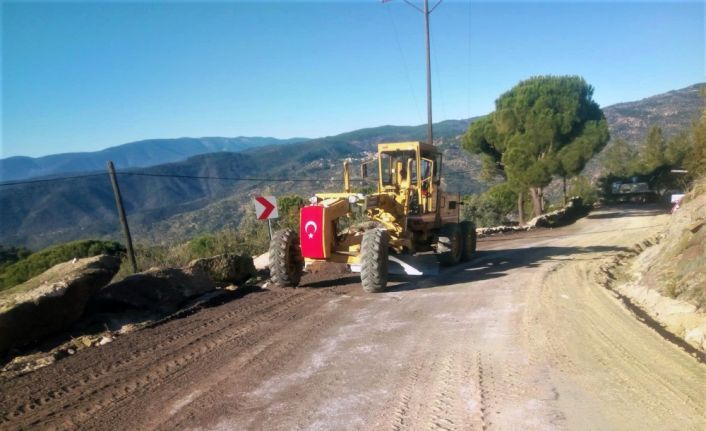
[667, 279]
[73, 305]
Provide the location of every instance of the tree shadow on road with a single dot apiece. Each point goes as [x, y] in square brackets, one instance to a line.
[493, 264]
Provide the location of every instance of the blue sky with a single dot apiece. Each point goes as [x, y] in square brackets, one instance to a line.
[88, 75]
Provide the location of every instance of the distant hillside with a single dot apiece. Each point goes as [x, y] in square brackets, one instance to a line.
[162, 209]
[367, 139]
[133, 155]
[673, 111]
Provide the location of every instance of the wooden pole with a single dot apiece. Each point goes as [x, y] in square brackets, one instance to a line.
[121, 215]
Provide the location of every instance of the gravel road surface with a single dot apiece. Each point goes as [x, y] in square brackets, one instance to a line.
[521, 338]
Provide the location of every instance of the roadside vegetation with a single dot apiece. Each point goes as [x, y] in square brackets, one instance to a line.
[27, 265]
[543, 128]
[10, 255]
[250, 238]
[656, 156]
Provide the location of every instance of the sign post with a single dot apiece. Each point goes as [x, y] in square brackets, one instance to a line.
[266, 209]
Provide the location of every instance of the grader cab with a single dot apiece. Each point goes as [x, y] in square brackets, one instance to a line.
[409, 215]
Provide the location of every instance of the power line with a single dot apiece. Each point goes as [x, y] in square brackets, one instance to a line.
[200, 177]
[193, 177]
[50, 180]
[203, 177]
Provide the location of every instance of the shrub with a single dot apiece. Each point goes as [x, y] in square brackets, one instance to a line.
[581, 186]
[492, 207]
[38, 262]
[10, 255]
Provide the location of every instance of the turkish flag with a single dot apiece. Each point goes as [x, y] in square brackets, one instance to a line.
[311, 232]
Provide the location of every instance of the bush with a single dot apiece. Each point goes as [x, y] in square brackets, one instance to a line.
[581, 186]
[250, 239]
[38, 262]
[288, 208]
[492, 207]
[10, 255]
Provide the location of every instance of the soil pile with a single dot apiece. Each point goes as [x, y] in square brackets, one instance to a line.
[52, 301]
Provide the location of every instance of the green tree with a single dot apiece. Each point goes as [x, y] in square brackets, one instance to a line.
[288, 208]
[490, 208]
[38, 262]
[582, 187]
[695, 163]
[619, 158]
[653, 151]
[10, 255]
[678, 149]
[544, 126]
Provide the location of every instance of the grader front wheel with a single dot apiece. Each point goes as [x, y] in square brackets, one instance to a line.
[373, 260]
[286, 261]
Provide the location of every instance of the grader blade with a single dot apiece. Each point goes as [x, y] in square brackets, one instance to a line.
[422, 264]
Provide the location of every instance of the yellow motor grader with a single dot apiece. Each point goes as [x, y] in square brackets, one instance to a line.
[409, 214]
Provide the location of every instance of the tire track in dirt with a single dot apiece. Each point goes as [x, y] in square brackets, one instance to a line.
[401, 416]
[484, 393]
[259, 383]
[621, 368]
[166, 372]
[441, 393]
[514, 340]
[96, 389]
[120, 364]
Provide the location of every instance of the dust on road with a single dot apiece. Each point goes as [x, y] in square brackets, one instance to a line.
[520, 338]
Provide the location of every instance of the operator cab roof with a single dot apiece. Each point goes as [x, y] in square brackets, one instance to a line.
[408, 146]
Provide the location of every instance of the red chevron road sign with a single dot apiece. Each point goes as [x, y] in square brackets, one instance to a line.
[266, 207]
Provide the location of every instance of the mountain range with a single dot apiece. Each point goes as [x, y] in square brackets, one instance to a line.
[165, 209]
[144, 153]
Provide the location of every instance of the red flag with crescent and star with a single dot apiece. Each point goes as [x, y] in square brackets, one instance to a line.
[311, 232]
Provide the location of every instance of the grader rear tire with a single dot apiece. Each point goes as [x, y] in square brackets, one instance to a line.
[449, 245]
[468, 235]
[286, 261]
[373, 260]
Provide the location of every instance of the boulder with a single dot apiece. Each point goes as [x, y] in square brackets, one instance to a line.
[53, 300]
[158, 289]
[573, 211]
[226, 268]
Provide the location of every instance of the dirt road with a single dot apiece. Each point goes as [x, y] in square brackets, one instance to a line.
[522, 338]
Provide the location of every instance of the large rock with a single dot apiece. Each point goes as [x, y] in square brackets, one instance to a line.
[573, 211]
[52, 301]
[226, 268]
[158, 289]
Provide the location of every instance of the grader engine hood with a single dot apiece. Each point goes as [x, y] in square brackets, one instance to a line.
[311, 232]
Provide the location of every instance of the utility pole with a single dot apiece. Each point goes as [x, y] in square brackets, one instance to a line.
[430, 132]
[121, 215]
[426, 11]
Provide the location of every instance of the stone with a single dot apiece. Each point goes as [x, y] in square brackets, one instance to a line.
[52, 301]
[158, 289]
[226, 268]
